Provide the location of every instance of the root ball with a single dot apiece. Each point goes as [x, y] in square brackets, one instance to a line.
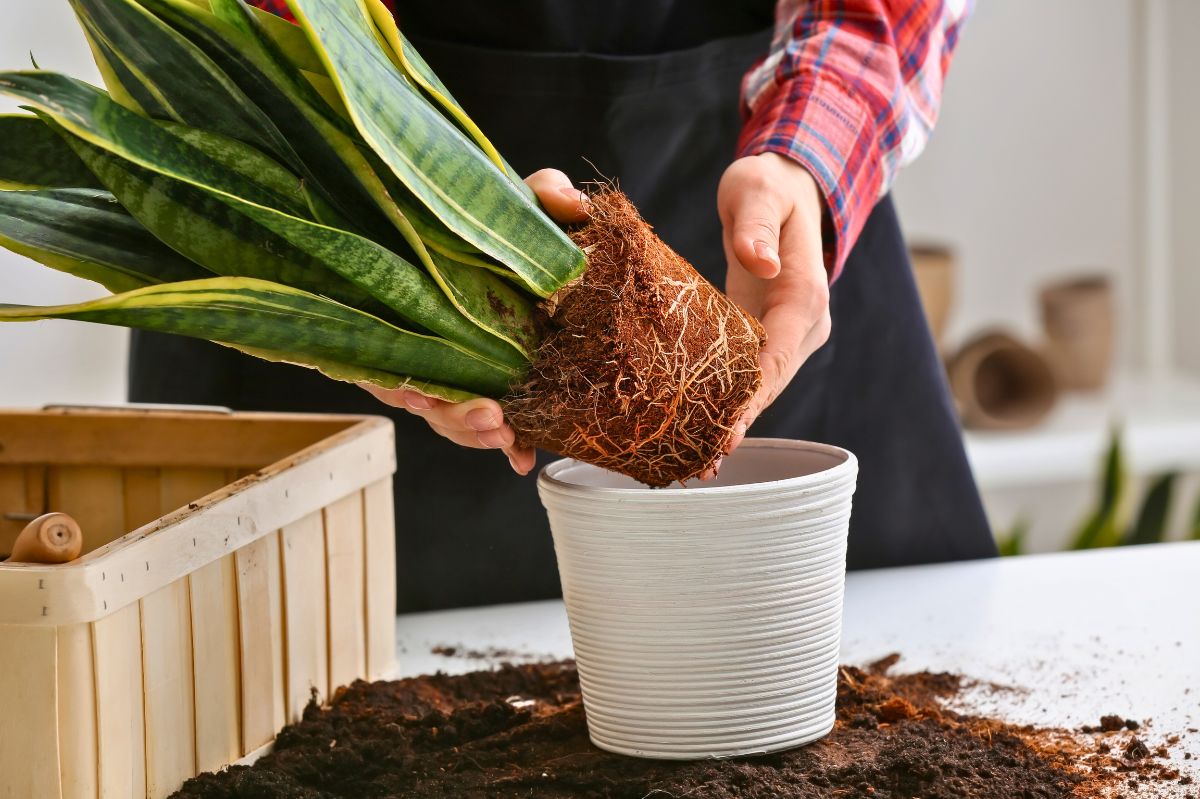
[645, 367]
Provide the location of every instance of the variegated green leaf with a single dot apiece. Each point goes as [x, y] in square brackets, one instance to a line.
[125, 87]
[361, 374]
[408, 59]
[205, 229]
[311, 329]
[488, 300]
[328, 156]
[451, 176]
[86, 233]
[187, 85]
[33, 157]
[290, 40]
[230, 222]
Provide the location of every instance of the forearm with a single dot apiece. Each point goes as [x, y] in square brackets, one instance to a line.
[851, 91]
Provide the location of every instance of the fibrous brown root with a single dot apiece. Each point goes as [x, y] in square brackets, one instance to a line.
[645, 366]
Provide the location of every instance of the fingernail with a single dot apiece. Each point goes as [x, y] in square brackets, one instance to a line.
[766, 252]
[481, 420]
[418, 402]
[741, 427]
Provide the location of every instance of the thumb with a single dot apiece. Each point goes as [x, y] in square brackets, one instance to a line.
[755, 237]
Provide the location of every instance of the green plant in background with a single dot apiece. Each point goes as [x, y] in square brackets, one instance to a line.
[1100, 527]
[1150, 526]
[1105, 525]
[1013, 542]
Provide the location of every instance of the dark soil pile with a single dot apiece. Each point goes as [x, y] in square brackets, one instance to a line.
[520, 732]
[645, 366]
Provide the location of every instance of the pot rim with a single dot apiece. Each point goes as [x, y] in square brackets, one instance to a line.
[548, 478]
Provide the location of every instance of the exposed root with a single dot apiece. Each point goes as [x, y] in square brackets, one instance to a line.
[645, 366]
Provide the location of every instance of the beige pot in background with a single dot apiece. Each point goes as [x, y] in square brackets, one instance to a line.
[1001, 384]
[934, 267]
[1077, 316]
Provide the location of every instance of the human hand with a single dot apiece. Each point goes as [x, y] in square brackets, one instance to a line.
[770, 208]
[479, 423]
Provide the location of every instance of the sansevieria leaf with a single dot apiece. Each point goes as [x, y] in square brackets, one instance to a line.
[328, 154]
[86, 233]
[255, 313]
[184, 82]
[444, 169]
[230, 222]
[33, 157]
[202, 227]
[419, 72]
[361, 374]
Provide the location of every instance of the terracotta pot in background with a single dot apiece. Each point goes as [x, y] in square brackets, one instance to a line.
[1077, 316]
[1001, 384]
[934, 267]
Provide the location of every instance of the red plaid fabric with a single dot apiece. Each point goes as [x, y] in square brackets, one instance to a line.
[851, 90]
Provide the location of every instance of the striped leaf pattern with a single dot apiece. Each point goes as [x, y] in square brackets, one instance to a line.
[307, 194]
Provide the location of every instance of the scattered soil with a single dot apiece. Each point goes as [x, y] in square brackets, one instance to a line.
[645, 367]
[448, 651]
[520, 732]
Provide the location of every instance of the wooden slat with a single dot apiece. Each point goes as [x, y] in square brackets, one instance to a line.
[28, 702]
[191, 537]
[182, 487]
[12, 500]
[93, 495]
[344, 549]
[260, 608]
[168, 689]
[213, 591]
[217, 668]
[303, 550]
[161, 439]
[379, 519]
[120, 719]
[143, 497]
[77, 712]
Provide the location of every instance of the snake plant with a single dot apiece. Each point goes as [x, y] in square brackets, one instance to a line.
[306, 193]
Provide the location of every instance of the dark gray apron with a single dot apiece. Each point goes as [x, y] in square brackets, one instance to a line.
[664, 124]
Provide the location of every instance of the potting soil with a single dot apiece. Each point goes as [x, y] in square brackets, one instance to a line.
[521, 732]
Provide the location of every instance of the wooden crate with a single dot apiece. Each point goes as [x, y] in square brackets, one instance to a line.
[234, 565]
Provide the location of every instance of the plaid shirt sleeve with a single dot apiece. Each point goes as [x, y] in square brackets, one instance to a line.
[850, 90]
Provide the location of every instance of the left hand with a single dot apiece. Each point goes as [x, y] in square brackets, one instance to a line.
[770, 209]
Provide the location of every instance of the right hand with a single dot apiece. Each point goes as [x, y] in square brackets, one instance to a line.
[479, 423]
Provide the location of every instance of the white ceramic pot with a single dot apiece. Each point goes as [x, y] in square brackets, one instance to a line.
[707, 619]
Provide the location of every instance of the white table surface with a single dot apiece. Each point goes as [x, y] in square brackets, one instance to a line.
[1078, 635]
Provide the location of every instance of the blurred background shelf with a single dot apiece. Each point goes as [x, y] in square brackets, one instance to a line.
[1159, 420]
[1048, 479]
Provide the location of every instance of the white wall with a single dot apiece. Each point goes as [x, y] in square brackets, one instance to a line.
[1031, 172]
[1185, 178]
[46, 362]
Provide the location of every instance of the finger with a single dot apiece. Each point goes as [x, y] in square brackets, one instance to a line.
[403, 398]
[754, 233]
[522, 459]
[492, 439]
[563, 201]
[794, 310]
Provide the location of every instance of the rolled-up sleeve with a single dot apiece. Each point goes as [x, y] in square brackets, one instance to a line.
[851, 90]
